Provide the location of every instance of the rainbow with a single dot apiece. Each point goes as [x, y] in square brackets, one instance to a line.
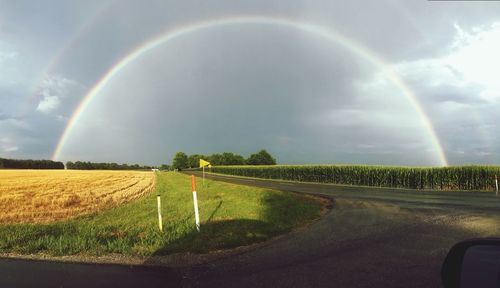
[320, 31]
[55, 61]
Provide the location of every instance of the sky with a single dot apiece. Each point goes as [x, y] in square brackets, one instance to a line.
[354, 82]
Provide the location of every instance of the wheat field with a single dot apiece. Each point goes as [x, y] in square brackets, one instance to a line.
[41, 196]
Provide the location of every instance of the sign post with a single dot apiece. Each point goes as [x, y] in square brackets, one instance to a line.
[160, 222]
[195, 200]
[496, 184]
[203, 164]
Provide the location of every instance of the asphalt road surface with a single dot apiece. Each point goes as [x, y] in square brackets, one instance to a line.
[34, 273]
[373, 237]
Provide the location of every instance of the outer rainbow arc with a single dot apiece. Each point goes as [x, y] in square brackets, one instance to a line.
[309, 28]
[61, 54]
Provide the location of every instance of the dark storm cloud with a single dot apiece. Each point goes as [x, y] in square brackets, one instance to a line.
[247, 87]
[257, 85]
[247, 94]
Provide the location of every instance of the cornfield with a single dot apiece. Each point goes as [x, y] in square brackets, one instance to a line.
[39, 196]
[442, 178]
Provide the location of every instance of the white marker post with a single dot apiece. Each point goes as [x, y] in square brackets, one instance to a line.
[195, 200]
[496, 183]
[160, 222]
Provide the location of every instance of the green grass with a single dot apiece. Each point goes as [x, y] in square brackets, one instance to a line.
[231, 216]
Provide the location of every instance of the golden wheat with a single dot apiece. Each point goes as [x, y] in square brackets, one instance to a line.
[40, 196]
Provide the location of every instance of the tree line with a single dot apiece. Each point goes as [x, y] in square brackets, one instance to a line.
[29, 164]
[79, 165]
[182, 161]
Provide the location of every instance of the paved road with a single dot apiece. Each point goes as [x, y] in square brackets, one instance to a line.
[472, 200]
[29, 273]
[372, 238]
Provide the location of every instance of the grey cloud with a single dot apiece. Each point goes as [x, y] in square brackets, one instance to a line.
[447, 93]
[242, 88]
[4, 117]
[48, 104]
[252, 91]
[56, 92]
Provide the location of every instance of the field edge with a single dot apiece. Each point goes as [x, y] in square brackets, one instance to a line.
[179, 259]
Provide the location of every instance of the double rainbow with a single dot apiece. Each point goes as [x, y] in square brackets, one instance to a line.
[327, 34]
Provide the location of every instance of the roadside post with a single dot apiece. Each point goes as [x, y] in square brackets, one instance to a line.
[195, 200]
[160, 222]
[496, 184]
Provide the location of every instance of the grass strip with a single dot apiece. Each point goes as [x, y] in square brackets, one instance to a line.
[231, 216]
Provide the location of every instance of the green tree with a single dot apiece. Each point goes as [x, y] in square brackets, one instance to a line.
[180, 161]
[194, 160]
[215, 159]
[261, 158]
[228, 158]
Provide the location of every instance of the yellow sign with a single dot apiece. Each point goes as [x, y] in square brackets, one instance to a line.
[204, 163]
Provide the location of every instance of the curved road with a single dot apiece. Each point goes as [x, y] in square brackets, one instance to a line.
[374, 237]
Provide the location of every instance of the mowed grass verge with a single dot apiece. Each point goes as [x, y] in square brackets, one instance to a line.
[231, 215]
